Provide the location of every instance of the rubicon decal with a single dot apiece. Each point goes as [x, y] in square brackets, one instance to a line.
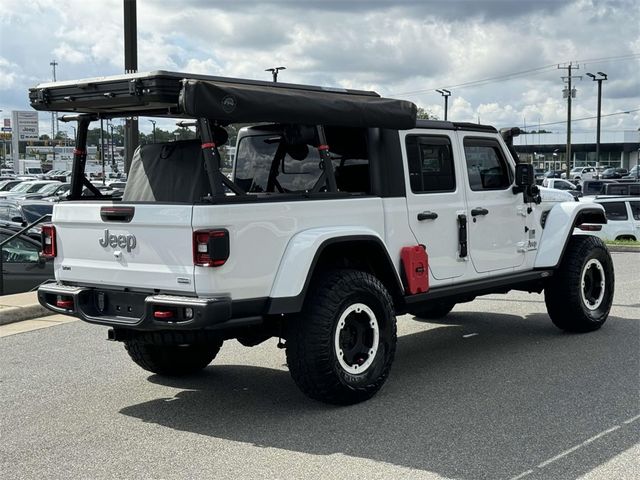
[123, 241]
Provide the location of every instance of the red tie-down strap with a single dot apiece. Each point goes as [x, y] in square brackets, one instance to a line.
[323, 147]
[79, 152]
[208, 145]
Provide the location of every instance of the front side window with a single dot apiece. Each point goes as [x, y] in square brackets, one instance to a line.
[430, 160]
[615, 210]
[486, 165]
[635, 210]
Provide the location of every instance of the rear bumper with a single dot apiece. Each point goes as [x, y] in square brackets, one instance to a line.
[140, 311]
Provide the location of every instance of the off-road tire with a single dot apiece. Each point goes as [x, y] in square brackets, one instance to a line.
[312, 337]
[570, 308]
[165, 355]
[434, 311]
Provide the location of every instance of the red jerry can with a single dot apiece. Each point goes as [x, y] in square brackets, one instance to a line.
[416, 268]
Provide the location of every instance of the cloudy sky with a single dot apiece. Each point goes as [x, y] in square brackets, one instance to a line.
[499, 58]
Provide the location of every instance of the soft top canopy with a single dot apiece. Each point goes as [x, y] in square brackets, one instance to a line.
[244, 103]
[226, 100]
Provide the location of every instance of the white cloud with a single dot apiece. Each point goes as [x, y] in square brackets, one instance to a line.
[390, 47]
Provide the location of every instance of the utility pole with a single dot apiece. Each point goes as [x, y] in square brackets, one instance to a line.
[154, 130]
[569, 93]
[54, 119]
[113, 156]
[131, 132]
[274, 72]
[603, 76]
[446, 94]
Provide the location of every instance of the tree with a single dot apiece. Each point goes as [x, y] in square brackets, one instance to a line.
[424, 114]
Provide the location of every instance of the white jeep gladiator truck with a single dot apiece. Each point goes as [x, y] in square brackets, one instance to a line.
[343, 211]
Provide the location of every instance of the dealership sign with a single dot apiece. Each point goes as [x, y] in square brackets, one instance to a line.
[25, 125]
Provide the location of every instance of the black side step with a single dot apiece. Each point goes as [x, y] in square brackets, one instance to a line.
[483, 286]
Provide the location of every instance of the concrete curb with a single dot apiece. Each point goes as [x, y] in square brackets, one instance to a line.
[623, 248]
[21, 306]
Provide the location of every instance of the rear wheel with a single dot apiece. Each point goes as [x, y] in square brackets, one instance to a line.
[580, 294]
[341, 347]
[169, 357]
[435, 310]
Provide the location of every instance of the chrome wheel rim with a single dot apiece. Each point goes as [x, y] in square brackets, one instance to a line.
[592, 284]
[356, 338]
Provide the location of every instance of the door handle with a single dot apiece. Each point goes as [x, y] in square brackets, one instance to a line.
[427, 216]
[479, 211]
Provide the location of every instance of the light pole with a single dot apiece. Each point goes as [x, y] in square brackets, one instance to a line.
[154, 130]
[54, 119]
[4, 150]
[274, 71]
[113, 156]
[600, 79]
[446, 94]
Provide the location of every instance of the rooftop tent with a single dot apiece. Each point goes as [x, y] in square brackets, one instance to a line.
[223, 100]
[230, 103]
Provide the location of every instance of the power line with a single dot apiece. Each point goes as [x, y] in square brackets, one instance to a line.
[626, 112]
[512, 75]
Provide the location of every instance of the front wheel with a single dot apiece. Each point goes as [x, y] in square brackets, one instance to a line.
[580, 294]
[341, 347]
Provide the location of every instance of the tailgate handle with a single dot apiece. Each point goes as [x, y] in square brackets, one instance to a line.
[117, 214]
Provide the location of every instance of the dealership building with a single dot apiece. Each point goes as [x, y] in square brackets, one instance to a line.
[548, 150]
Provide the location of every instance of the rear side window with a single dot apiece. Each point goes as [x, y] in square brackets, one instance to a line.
[486, 165]
[615, 210]
[635, 210]
[430, 160]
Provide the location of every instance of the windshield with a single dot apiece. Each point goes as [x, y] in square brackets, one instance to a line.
[33, 212]
[36, 187]
[50, 188]
[22, 187]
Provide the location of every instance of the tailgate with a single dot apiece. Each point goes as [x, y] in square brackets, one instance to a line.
[140, 246]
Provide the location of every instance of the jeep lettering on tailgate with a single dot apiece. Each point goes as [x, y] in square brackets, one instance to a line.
[122, 241]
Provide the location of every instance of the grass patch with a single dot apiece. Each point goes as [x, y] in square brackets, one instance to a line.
[626, 243]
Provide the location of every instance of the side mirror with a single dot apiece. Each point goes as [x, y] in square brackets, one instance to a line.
[525, 175]
[17, 219]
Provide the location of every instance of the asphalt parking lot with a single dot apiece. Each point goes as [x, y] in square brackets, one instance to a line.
[494, 391]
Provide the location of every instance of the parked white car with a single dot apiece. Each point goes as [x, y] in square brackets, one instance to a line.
[581, 173]
[623, 218]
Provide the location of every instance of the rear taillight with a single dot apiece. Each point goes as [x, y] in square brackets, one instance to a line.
[49, 241]
[210, 247]
[590, 228]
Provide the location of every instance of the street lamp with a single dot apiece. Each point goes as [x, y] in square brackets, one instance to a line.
[446, 94]
[602, 76]
[154, 130]
[113, 156]
[274, 71]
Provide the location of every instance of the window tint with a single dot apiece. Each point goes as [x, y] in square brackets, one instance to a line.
[430, 164]
[615, 210]
[562, 186]
[486, 166]
[635, 210]
[19, 251]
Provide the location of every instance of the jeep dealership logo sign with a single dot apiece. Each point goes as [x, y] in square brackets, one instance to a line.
[115, 241]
